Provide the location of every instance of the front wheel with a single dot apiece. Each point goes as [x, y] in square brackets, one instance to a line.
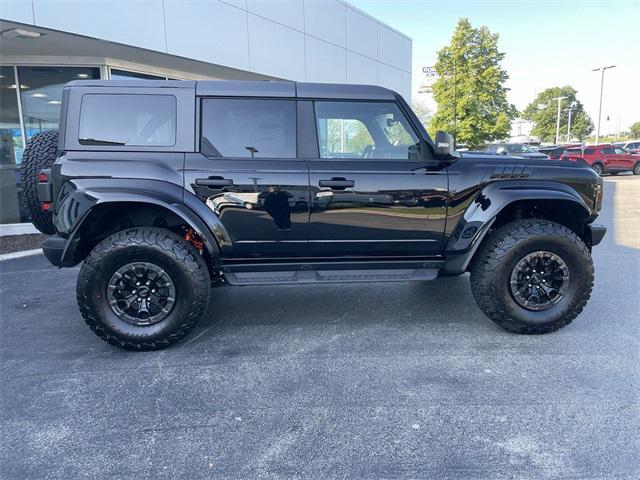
[636, 168]
[532, 276]
[143, 288]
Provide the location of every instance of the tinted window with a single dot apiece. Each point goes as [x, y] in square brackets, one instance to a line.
[619, 151]
[249, 128]
[606, 151]
[136, 120]
[574, 151]
[363, 130]
[589, 151]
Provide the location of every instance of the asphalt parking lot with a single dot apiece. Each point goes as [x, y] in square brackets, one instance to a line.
[357, 381]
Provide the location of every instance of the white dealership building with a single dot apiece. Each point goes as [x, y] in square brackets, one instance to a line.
[46, 43]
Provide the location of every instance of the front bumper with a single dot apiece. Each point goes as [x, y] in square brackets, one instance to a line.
[60, 252]
[596, 232]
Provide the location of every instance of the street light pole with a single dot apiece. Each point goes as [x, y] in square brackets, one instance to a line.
[573, 104]
[601, 69]
[559, 99]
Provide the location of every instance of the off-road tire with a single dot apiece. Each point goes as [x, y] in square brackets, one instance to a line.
[493, 263]
[636, 168]
[40, 153]
[598, 168]
[161, 247]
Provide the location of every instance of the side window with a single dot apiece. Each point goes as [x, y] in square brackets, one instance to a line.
[248, 128]
[122, 119]
[589, 151]
[375, 130]
[619, 151]
[606, 151]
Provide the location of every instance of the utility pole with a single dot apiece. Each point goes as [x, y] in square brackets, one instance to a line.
[601, 69]
[559, 99]
[573, 104]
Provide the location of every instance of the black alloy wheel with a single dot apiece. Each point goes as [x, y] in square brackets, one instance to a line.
[539, 280]
[141, 293]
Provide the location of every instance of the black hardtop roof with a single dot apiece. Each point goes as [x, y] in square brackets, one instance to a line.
[254, 88]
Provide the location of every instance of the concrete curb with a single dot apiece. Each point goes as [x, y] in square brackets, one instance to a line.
[24, 253]
[17, 229]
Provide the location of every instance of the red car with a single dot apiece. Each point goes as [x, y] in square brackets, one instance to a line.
[605, 158]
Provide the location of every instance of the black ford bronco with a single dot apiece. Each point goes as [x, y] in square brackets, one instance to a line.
[163, 189]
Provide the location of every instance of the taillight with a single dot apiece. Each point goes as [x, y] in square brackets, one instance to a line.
[43, 177]
[46, 206]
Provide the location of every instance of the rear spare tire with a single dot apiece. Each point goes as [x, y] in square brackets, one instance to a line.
[40, 153]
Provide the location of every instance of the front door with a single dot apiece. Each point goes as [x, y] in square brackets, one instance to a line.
[623, 158]
[371, 194]
[248, 175]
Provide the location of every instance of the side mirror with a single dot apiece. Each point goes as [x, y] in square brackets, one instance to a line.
[445, 149]
[501, 151]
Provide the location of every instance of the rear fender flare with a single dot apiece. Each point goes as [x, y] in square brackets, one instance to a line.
[477, 220]
[79, 198]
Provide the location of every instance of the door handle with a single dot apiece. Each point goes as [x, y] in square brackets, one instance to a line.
[214, 182]
[337, 183]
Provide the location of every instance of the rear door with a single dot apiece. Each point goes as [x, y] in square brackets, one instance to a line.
[371, 193]
[248, 174]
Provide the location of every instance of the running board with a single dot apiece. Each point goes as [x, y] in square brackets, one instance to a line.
[351, 272]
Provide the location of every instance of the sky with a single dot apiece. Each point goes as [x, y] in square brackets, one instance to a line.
[547, 44]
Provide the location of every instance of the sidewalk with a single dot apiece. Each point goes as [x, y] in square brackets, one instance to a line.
[17, 229]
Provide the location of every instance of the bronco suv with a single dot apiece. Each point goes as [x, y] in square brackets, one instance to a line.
[163, 189]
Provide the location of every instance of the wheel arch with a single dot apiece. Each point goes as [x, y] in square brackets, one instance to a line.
[89, 211]
[500, 203]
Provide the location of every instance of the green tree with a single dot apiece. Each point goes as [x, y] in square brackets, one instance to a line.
[422, 111]
[470, 90]
[543, 111]
[635, 130]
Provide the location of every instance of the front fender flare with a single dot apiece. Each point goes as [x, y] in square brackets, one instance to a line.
[477, 220]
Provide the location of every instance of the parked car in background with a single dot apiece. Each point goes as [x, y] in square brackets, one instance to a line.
[554, 152]
[605, 158]
[633, 146]
[513, 149]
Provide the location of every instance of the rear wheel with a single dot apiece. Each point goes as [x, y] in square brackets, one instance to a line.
[532, 276]
[636, 168]
[143, 288]
[40, 153]
[598, 168]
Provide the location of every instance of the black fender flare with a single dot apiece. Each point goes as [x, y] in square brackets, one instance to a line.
[477, 220]
[79, 197]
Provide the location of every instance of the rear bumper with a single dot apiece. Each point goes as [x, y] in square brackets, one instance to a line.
[596, 232]
[60, 252]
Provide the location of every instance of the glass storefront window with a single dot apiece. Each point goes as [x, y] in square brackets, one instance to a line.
[11, 148]
[126, 75]
[10, 133]
[41, 93]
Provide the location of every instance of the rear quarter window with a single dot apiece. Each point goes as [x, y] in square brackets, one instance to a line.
[127, 120]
